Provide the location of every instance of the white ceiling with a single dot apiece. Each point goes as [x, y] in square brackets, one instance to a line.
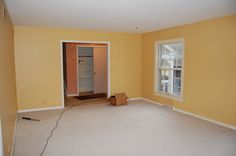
[116, 15]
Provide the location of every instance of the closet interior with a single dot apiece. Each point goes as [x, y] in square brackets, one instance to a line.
[85, 70]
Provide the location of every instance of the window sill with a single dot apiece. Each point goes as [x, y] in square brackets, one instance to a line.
[169, 96]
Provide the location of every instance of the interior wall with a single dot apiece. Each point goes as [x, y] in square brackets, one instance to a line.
[209, 76]
[209, 70]
[7, 81]
[38, 63]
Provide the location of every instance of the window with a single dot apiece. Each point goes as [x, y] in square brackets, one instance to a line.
[169, 68]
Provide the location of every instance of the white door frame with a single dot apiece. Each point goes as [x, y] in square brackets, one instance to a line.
[108, 65]
[1, 139]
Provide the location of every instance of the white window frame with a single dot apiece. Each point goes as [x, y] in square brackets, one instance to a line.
[156, 71]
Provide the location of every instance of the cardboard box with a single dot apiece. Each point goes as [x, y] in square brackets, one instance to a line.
[118, 99]
[112, 100]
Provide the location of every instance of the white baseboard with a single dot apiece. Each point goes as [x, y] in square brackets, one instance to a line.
[61, 107]
[194, 115]
[205, 118]
[133, 99]
[14, 136]
[39, 109]
[151, 101]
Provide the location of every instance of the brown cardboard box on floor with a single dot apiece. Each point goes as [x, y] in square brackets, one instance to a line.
[118, 99]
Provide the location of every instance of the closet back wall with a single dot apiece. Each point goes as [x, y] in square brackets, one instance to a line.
[38, 63]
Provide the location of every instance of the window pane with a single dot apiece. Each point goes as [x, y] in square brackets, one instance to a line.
[170, 67]
[166, 88]
[176, 91]
[163, 80]
[163, 88]
[177, 73]
[171, 55]
[177, 78]
[162, 56]
[179, 47]
[177, 82]
[160, 88]
[167, 56]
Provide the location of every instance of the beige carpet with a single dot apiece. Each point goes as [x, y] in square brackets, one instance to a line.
[137, 129]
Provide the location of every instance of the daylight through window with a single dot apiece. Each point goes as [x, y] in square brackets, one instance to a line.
[169, 71]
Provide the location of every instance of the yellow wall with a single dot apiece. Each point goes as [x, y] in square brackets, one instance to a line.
[210, 52]
[210, 62]
[38, 63]
[7, 82]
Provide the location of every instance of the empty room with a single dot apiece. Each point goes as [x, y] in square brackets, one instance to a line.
[118, 78]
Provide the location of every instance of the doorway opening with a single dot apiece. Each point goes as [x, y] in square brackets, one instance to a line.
[85, 71]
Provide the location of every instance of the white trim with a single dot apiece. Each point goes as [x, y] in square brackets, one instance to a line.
[77, 56]
[205, 118]
[108, 65]
[108, 70]
[14, 137]
[195, 115]
[134, 99]
[71, 95]
[1, 139]
[153, 102]
[156, 71]
[62, 76]
[40, 109]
